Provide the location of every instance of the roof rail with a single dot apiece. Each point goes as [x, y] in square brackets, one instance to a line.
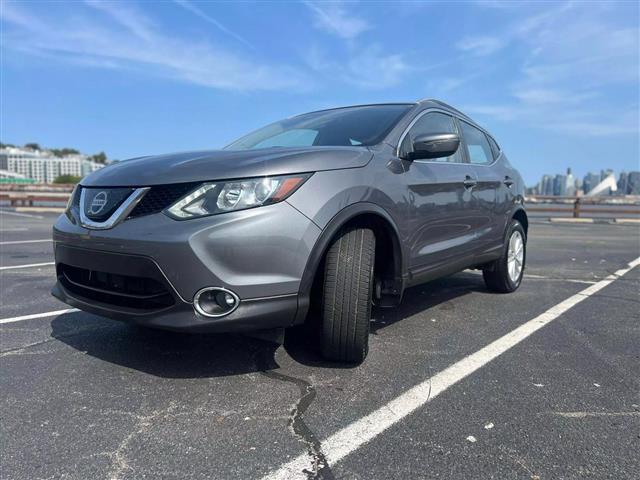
[445, 105]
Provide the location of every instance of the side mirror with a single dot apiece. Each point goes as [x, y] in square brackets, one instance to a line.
[434, 145]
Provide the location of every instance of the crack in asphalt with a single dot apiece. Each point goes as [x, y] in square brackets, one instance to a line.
[320, 469]
[119, 462]
[22, 349]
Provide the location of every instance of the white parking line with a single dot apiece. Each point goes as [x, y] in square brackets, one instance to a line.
[21, 214]
[17, 242]
[2, 230]
[361, 431]
[13, 267]
[37, 315]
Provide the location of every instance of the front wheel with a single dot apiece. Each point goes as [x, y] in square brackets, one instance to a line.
[505, 274]
[347, 292]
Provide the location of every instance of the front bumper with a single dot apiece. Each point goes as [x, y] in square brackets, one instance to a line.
[259, 254]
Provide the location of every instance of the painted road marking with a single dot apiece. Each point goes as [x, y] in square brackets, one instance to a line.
[21, 214]
[18, 242]
[2, 230]
[353, 436]
[37, 315]
[533, 276]
[13, 267]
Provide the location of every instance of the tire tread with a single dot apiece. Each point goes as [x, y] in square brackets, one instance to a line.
[347, 290]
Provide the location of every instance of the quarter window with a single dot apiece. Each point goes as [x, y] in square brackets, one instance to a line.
[430, 123]
[478, 147]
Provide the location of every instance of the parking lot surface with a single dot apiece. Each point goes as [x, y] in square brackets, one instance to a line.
[459, 382]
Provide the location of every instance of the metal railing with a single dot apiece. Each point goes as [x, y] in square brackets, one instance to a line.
[578, 207]
[27, 195]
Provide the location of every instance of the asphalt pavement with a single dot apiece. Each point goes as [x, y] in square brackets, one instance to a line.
[461, 383]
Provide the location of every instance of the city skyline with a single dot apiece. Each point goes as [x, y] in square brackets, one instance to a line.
[568, 184]
[555, 83]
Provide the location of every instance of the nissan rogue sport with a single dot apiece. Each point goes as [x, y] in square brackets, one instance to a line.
[339, 209]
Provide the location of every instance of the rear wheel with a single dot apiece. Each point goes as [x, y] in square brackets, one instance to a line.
[505, 274]
[347, 291]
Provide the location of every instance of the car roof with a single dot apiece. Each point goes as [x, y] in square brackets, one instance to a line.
[426, 102]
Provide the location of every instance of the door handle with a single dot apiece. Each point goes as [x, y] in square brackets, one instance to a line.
[469, 182]
[508, 181]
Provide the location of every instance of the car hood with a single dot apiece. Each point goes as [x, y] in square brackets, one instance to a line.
[225, 164]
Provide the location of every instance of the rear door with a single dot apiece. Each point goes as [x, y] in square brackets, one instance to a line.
[442, 208]
[482, 159]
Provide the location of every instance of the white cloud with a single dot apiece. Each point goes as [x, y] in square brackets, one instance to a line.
[481, 46]
[333, 18]
[548, 96]
[369, 68]
[209, 19]
[573, 55]
[123, 37]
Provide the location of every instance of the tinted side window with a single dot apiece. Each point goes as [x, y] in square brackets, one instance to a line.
[433, 122]
[478, 147]
[494, 147]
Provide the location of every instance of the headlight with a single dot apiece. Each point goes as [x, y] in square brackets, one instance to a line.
[221, 197]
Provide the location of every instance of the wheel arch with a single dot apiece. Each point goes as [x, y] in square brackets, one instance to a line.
[521, 216]
[387, 241]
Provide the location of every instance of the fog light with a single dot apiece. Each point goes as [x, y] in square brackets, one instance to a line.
[215, 302]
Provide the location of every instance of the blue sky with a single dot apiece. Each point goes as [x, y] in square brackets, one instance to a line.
[557, 83]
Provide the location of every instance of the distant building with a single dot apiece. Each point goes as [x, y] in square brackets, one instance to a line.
[605, 173]
[570, 184]
[589, 181]
[546, 185]
[578, 187]
[15, 178]
[44, 167]
[629, 183]
[560, 185]
[605, 187]
[633, 183]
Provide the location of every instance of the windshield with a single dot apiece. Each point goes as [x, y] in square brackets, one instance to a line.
[350, 126]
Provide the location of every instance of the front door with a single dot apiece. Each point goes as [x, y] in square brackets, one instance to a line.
[442, 207]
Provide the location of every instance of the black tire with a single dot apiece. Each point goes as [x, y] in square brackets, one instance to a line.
[346, 299]
[496, 274]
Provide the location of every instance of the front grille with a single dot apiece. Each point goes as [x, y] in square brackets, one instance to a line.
[160, 197]
[100, 203]
[134, 293]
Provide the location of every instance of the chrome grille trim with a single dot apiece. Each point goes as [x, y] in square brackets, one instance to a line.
[116, 217]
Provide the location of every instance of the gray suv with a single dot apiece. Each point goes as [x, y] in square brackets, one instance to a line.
[309, 219]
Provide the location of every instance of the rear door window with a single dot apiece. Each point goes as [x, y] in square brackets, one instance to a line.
[494, 147]
[478, 148]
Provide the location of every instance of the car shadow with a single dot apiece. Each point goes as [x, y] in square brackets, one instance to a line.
[164, 353]
[183, 355]
[435, 294]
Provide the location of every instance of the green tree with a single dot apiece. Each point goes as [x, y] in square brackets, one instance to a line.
[63, 152]
[67, 179]
[32, 146]
[99, 157]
